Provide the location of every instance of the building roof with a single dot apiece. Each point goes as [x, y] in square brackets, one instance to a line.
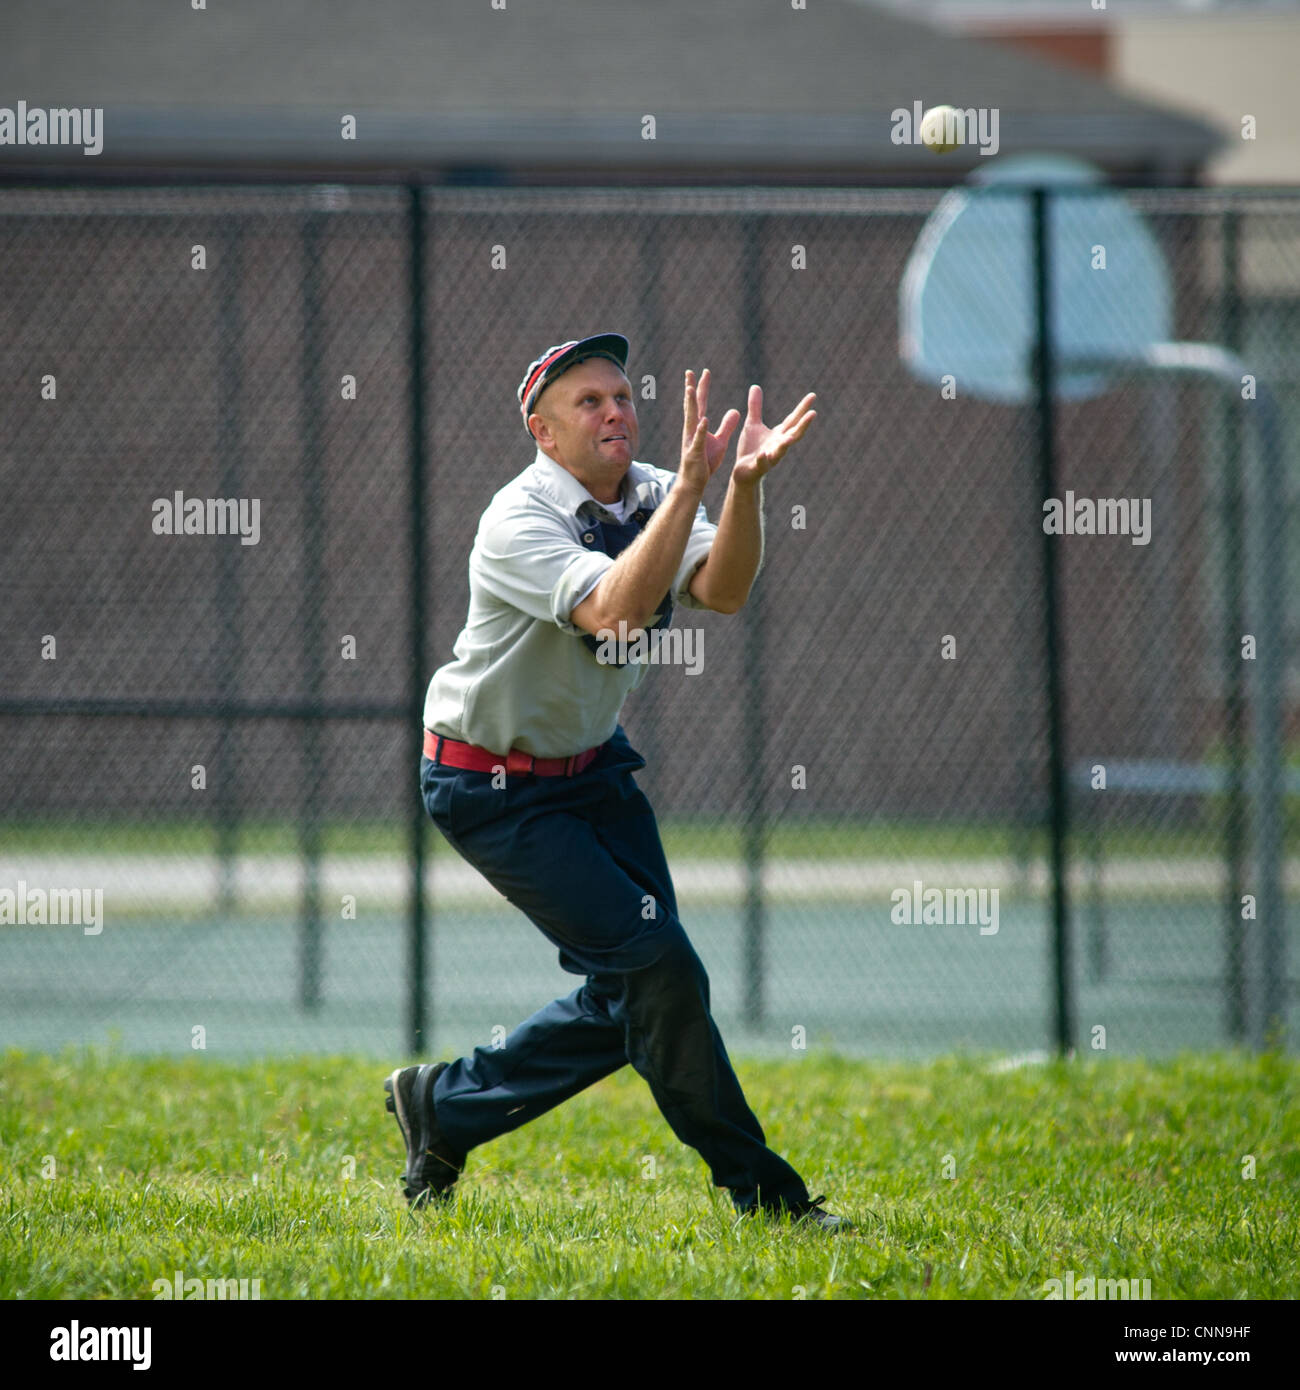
[738, 88]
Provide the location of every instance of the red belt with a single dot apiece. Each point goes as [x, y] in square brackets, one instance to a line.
[470, 756]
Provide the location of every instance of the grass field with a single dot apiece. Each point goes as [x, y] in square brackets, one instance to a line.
[285, 1171]
[683, 838]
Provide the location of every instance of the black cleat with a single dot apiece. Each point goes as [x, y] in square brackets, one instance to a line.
[811, 1213]
[432, 1166]
[807, 1214]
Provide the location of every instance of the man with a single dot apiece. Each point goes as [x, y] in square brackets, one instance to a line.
[528, 773]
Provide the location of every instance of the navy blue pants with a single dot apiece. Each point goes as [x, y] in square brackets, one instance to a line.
[581, 857]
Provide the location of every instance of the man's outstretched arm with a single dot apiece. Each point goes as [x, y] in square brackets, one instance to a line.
[640, 577]
[724, 580]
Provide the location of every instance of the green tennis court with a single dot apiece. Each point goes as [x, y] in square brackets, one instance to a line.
[842, 972]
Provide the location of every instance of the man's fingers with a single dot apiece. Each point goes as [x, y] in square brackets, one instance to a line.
[775, 440]
[799, 409]
[722, 440]
[779, 440]
[796, 431]
[728, 427]
[786, 437]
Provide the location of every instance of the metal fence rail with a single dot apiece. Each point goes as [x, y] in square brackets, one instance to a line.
[217, 732]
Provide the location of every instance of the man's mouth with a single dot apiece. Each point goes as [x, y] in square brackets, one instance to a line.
[609, 438]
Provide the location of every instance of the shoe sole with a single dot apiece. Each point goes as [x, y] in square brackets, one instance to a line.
[395, 1107]
[416, 1144]
[393, 1104]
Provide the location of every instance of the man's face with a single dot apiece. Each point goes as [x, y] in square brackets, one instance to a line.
[586, 422]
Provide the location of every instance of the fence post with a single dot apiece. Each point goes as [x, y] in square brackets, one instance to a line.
[753, 751]
[1266, 543]
[417, 1021]
[1234, 827]
[311, 942]
[648, 740]
[230, 656]
[1045, 370]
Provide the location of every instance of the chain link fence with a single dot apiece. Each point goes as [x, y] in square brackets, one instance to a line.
[246, 441]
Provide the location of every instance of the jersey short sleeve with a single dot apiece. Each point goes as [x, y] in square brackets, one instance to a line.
[528, 557]
[698, 545]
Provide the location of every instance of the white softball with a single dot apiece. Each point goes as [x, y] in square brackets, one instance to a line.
[941, 129]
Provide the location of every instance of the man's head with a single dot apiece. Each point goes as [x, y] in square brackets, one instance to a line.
[583, 417]
[557, 360]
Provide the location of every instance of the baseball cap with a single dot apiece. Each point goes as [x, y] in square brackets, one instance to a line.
[558, 359]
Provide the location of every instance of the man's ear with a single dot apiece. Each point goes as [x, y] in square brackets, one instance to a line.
[539, 429]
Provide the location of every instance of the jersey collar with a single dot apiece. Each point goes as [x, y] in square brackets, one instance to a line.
[563, 488]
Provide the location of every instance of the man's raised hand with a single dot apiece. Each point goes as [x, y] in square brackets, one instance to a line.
[702, 452]
[761, 448]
